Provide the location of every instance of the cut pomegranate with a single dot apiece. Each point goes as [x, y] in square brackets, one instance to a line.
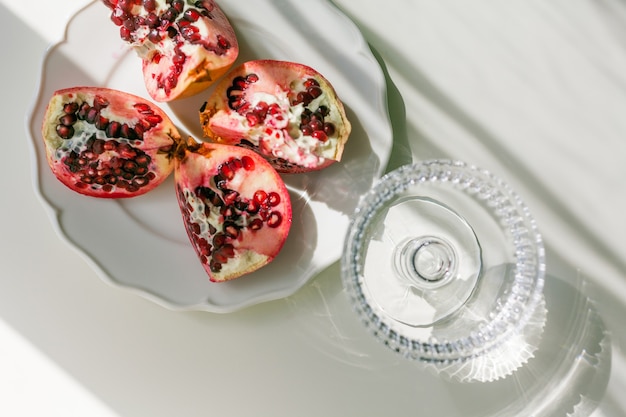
[287, 112]
[235, 206]
[185, 45]
[107, 143]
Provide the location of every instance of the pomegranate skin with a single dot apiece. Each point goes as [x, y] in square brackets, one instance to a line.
[106, 143]
[184, 46]
[286, 111]
[235, 206]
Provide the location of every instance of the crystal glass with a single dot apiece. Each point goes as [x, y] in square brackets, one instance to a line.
[444, 263]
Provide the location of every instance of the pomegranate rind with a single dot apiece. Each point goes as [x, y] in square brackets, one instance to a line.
[252, 248]
[207, 40]
[71, 158]
[278, 135]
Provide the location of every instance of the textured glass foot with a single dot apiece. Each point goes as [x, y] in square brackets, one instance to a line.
[443, 262]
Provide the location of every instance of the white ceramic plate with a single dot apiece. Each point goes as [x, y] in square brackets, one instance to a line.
[140, 243]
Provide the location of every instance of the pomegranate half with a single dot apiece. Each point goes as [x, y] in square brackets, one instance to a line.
[286, 111]
[235, 206]
[184, 45]
[107, 143]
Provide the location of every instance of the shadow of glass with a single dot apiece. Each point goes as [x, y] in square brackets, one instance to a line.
[566, 374]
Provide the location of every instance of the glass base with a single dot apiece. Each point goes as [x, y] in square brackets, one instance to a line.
[443, 262]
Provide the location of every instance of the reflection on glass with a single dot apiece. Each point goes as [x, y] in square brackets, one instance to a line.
[444, 263]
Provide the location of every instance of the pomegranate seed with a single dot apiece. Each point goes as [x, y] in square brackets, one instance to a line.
[231, 230]
[129, 166]
[256, 224]
[248, 163]
[113, 129]
[222, 42]
[65, 132]
[98, 146]
[70, 108]
[143, 160]
[130, 24]
[178, 5]
[230, 197]
[260, 196]
[226, 172]
[149, 5]
[215, 266]
[68, 119]
[101, 123]
[125, 34]
[329, 128]
[179, 58]
[239, 83]
[189, 31]
[320, 135]
[252, 207]
[172, 32]
[219, 240]
[311, 82]
[275, 219]
[100, 102]
[154, 36]
[153, 119]
[125, 5]
[315, 124]
[253, 119]
[306, 130]
[303, 97]
[117, 20]
[152, 20]
[92, 114]
[192, 15]
[273, 199]
[143, 108]
[314, 92]
[82, 111]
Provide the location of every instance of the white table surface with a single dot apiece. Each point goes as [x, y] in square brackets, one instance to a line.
[535, 91]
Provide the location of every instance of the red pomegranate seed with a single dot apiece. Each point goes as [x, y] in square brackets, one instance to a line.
[70, 108]
[275, 219]
[253, 119]
[320, 135]
[314, 92]
[65, 132]
[273, 199]
[149, 5]
[311, 82]
[248, 163]
[329, 128]
[256, 224]
[260, 196]
[192, 15]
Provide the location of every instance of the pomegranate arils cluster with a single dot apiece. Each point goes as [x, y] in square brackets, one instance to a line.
[286, 111]
[126, 168]
[184, 45]
[236, 208]
[107, 149]
[217, 215]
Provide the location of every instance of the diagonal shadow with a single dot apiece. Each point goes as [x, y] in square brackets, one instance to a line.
[439, 99]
